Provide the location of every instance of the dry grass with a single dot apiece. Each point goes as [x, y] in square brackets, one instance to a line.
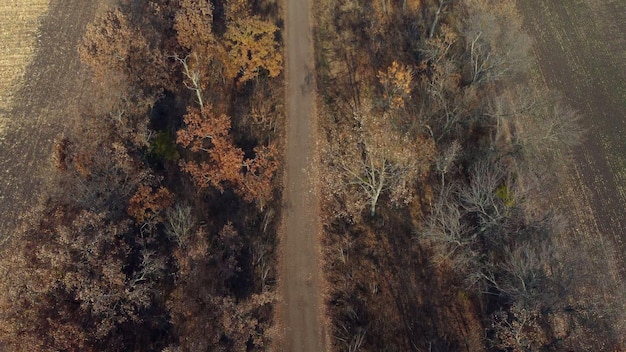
[19, 21]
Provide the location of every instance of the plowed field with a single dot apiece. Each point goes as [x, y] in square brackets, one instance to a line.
[42, 89]
[580, 47]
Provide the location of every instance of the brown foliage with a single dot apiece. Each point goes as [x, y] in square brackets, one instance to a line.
[209, 133]
[222, 164]
[74, 292]
[193, 25]
[259, 175]
[94, 272]
[147, 205]
[114, 46]
[252, 48]
[204, 317]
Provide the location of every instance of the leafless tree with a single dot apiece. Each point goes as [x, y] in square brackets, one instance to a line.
[479, 196]
[496, 45]
[179, 223]
[193, 77]
[515, 330]
[381, 159]
[449, 234]
[548, 131]
[441, 6]
[444, 162]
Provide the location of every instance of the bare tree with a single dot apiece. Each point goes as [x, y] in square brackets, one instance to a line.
[496, 45]
[449, 233]
[516, 330]
[179, 224]
[381, 159]
[548, 131]
[479, 196]
[441, 6]
[444, 162]
[193, 79]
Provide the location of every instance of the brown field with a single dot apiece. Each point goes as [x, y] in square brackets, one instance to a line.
[580, 47]
[45, 80]
[19, 22]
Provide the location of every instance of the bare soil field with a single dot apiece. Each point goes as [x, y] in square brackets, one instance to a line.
[301, 305]
[19, 22]
[580, 47]
[48, 98]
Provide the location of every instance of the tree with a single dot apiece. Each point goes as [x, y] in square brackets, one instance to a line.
[78, 290]
[113, 46]
[381, 159]
[441, 6]
[396, 82]
[179, 224]
[206, 317]
[222, 164]
[481, 199]
[517, 330]
[258, 175]
[448, 105]
[448, 232]
[193, 25]
[146, 206]
[252, 48]
[496, 46]
[192, 76]
[548, 131]
[194, 29]
[209, 133]
[99, 175]
[444, 162]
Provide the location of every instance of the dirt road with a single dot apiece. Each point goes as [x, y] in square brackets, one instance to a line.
[580, 47]
[299, 272]
[49, 97]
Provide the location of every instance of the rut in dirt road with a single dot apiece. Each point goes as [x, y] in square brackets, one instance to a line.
[300, 261]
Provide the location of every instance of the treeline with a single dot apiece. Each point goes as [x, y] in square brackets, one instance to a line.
[159, 234]
[442, 157]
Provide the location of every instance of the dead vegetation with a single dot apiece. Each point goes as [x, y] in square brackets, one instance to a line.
[465, 252]
[132, 250]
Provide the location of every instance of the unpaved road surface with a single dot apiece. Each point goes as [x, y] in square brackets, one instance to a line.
[48, 99]
[580, 47]
[301, 303]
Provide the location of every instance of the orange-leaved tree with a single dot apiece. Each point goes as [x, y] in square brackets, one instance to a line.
[207, 132]
[221, 164]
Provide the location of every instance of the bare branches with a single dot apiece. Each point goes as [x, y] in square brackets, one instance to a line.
[480, 197]
[382, 159]
[193, 77]
[442, 4]
[179, 224]
[495, 44]
[444, 162]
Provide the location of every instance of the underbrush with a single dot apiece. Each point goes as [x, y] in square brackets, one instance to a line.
[438, 155]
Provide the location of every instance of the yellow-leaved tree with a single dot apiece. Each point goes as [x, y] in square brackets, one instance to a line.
[252, 48]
